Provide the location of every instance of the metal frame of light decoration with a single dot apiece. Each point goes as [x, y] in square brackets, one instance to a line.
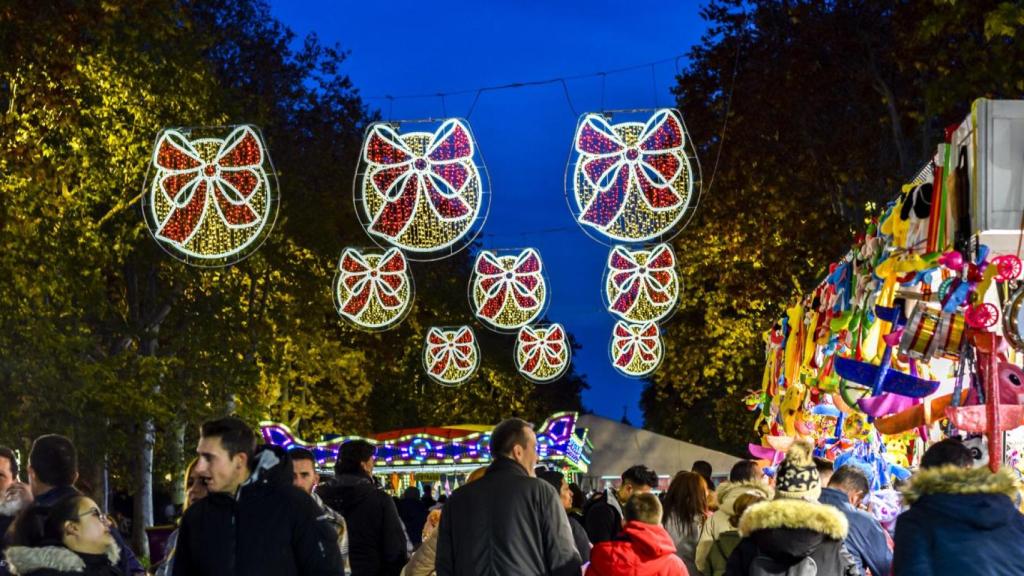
[450, 345]
[507, 278]
[642, 343]
[399, 175]
[630, 169]
[559, 441]
[207, 185]
[539, 358]
[373, 282]
[635, 278]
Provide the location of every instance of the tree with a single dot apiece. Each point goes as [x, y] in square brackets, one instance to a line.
[823, 107]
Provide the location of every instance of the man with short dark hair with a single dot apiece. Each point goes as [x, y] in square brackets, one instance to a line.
[376, 540]
[507, 522]
[52, 472]
[703, 468]
[644, 547]
[306, 479]
[14, 496]
[962, 520]
[254, 522]
[825, 470]
[866, 540]
[8, 469]
[602, 516]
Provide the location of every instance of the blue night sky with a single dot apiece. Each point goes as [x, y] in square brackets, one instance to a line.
[408, 47]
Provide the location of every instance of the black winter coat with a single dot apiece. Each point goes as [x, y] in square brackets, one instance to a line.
[60, 561]
[376, 539]
[269, 528]
[781, 534]
[504, 524]
[602, 517]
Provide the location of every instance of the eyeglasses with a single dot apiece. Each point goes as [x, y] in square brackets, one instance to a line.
[102, 517]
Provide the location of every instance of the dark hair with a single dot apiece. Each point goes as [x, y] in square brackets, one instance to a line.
[578, 497]
[686, 499]
[640, 475]
[703, 468]
[509, 434]
[54, 460]
[743, 471]
[740, 505]
[553, 477]
[352, 455]
[643, 508]
[948, 451]
[298, 454]
[823, 465]
[852, 478]
[7, 453]
[44, 525]
[235, 435]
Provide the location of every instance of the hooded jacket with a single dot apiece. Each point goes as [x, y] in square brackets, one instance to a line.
[268, 528]
[866, 541]
[961, 521]
[787, 534]
[727, 493]
[506, 523]
[641, 550]
[376, 538]
[60, 561]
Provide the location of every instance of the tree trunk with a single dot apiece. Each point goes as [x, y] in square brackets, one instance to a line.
[181, 458]
[143, 514]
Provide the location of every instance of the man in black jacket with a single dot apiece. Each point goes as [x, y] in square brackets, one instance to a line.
[508, 522]
[376, 539]
[602, 516]
[254, 522]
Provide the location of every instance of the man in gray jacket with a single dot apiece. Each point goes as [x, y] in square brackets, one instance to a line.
[508, 522]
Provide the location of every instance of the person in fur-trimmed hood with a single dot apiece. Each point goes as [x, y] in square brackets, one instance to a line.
[961, 520]
[793, 534]
[744, 478]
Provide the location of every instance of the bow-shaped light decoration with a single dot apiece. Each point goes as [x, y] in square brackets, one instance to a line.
[508, 292]
[373, 290]
[642, 285]
[210, 198]
[542, 353]
[636, 348]
[451, 356]
[632, 180]
[421, 190]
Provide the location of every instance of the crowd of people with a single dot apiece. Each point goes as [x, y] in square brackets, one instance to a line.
[262, 510]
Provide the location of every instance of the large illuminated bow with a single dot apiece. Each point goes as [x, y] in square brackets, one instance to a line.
[629, 277]
[363, 280]
[497, 282]
[612, 167]
[535, 347]
[446, 347]
[188, 182]
[403, 176]
[632, 339]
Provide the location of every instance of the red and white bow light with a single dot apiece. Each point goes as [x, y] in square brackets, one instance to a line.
[632, 181]
[642, 285]
[451, 355]
[508, 291]
[423, 192]
[636, 348]
[211, 200]
[542, 352]
[373, 289]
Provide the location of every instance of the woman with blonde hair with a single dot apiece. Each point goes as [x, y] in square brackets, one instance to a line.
[195, 490]
[422, 562]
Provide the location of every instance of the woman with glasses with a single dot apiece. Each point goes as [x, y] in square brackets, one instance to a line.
[70, 538]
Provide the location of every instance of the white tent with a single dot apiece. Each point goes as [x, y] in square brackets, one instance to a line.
[618, 446]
